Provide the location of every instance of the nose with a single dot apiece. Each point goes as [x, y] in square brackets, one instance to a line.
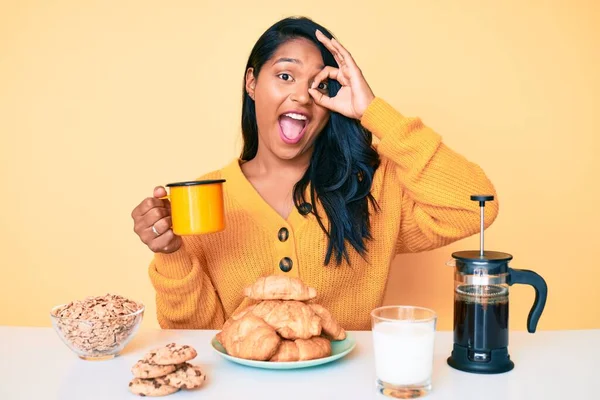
[300, 94]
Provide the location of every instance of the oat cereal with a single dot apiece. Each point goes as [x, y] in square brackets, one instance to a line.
[97, 325]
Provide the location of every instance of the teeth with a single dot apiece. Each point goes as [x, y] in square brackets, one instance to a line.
[296, 116]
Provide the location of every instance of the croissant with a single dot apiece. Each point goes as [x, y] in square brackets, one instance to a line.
[265, 308]
[330, 326]
[302, 349]
[287, 351]
[316, 347]
[250, 338]
[291, 319]
[277, 287]
[235, 316]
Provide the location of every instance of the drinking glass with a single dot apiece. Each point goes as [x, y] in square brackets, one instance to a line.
[403, 341]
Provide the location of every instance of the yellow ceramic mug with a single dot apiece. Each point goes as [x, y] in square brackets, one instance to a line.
[197, 207]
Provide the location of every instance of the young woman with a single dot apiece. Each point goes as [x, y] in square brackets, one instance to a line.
[311, 196]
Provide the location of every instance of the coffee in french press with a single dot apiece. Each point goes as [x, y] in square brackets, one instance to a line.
[481, 282]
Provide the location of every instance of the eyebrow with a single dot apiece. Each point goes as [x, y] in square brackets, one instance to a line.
[287, 59]
[293, 60]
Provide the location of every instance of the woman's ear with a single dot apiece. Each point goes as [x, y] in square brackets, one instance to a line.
[250, 82]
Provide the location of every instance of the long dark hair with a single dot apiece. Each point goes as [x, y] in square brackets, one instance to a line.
[343, 161]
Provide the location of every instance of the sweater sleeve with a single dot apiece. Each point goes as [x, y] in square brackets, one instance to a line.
[435, 183]
[185, 295]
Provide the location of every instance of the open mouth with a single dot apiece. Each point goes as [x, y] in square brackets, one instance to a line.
[292, 127]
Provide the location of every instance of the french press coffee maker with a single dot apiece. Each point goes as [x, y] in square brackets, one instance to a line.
[481, 282]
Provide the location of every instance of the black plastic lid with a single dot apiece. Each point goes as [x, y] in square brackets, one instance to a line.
[489, 256]
[194, 183]
[494, 262]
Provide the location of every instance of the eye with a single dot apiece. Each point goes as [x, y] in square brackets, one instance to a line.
[285, 77]
[323, 86]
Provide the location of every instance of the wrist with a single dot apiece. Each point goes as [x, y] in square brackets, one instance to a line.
[368, 100]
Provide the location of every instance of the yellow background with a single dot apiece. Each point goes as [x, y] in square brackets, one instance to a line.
[101, 101]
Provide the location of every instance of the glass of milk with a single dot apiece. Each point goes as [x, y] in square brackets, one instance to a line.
[403, 341]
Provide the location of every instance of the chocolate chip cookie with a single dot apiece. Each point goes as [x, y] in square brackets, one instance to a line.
[171, 354]
[186, 376]
[144, 369]
[151, 387]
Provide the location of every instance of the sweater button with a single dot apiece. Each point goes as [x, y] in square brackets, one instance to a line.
[286, 264]
[304, 208]
[283, 234]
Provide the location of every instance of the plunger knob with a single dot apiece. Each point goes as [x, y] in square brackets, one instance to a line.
[482, 199]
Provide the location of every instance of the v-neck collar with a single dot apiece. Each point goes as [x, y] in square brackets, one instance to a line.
[246, 195]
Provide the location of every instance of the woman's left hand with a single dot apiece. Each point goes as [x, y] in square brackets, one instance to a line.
[355, 94]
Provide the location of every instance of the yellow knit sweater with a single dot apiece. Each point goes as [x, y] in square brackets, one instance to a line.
[422, 187]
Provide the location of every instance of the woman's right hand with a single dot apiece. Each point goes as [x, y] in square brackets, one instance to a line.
[154, 212]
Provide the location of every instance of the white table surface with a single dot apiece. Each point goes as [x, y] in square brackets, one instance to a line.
[35, 364]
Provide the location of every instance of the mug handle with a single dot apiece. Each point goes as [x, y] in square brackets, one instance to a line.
[528, 277]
